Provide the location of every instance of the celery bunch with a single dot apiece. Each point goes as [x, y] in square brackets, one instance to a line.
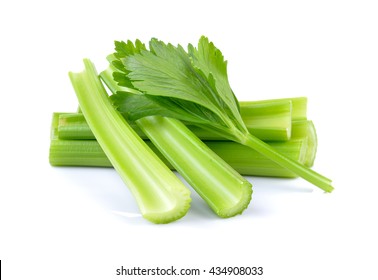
[174, 109]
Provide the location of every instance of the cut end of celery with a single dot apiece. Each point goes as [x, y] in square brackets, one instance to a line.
[238, 207]
[312, 143]
[268, 120]
[174, 213]
[328, 188]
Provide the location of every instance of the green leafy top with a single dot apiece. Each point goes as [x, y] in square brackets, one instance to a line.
[191, 86]
[208, 59]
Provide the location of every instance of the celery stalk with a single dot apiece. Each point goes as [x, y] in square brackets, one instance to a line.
[160, 195]
[245, 161]
[68, 152]
[298, 106]
[268, 120]
[249, 162]
[73, 126]
[225, 190]
[300, 169]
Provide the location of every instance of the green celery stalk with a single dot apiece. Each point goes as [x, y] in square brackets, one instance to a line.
[69, 152]
[298, 106]
[73, 126]
[268, 120]
[249, 162]
[225, 190]
[244, 161]
[161, 196]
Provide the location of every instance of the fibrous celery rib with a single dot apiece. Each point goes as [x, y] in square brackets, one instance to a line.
[224, 190]
[298, 106]
[160, 195]
[268, 120]
[70, 152]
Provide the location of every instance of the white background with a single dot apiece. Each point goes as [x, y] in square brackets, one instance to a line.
[78, 223]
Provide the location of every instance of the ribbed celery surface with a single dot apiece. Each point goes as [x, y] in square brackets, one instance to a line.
[302, 148]
[225, 190]
[298, 106]
[160, 195]
[268, 120]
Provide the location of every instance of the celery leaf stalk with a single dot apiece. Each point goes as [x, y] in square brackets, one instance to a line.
[161, 196]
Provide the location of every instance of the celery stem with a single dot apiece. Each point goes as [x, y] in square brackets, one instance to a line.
[160, 195]
[299, 169]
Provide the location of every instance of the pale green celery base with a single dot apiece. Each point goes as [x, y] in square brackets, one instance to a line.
[225, 191]
[160, 195]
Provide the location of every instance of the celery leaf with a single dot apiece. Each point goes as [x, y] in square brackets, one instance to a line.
[168, 77]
